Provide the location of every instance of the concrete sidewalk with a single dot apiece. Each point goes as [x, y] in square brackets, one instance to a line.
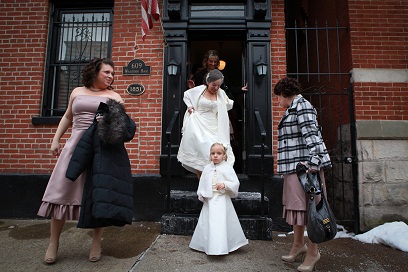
[140, 247]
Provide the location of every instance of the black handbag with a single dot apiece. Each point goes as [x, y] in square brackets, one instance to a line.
[321, 223]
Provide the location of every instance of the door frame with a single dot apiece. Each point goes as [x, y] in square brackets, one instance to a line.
[256, 24]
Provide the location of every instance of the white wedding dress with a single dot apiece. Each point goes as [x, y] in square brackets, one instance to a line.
[218, 231]
[200, 131]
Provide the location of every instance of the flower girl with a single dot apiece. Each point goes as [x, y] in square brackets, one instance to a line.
[218, 230]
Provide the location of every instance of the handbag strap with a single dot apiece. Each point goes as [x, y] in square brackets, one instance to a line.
[313, 189]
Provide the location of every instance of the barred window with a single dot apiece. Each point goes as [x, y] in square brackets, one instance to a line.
[77, 35]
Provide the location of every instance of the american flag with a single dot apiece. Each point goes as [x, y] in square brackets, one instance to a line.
[150, 11]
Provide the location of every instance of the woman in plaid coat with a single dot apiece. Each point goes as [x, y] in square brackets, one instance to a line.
[299, 140]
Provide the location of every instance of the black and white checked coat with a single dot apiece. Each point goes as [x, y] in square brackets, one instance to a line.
[299, 138]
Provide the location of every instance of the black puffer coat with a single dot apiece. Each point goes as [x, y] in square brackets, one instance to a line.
[108, 192]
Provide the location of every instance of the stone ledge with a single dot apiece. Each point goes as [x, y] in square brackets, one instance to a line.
[381, 130]
[379, 75]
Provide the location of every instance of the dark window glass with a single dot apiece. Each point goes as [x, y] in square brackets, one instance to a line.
[77, 36]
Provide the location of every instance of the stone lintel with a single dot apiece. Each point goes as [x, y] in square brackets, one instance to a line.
[379, 75]
[381, 130]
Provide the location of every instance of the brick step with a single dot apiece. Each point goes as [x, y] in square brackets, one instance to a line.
[254, 227]
[247, 203]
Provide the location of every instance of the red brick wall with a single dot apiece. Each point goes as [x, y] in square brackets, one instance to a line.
[381, 101]
[379, 39]
[23, 36]
[24, 148]
[144, 149]
[278, 61]
[379, 33]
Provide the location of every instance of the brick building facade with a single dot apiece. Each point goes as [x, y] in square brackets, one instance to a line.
[375, 56]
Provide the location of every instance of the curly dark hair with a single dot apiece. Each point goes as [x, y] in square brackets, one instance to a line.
[287, 87]
[91, 71]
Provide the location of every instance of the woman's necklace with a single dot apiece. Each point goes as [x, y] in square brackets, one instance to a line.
[96, 91]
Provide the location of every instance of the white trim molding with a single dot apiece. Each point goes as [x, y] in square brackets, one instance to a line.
[379, 75]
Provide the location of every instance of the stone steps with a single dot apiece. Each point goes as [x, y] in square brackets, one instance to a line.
[185, 209]
[247, 203]
[254, 227]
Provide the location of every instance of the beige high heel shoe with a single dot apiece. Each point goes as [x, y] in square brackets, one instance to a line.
[312, 267]
[94, 258]
[95, 255]
[51, 258]
[292, 258]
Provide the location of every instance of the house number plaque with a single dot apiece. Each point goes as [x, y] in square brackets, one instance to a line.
[135, 89]
[136, 67]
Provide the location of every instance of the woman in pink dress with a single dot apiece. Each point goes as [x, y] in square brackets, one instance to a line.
[62, 197]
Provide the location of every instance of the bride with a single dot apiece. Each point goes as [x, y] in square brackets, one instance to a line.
[205, 122]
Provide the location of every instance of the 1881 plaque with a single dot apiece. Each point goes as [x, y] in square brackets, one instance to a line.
[136, 67]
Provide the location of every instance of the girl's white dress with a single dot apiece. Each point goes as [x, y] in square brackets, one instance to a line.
[218, 230]
[209, 123]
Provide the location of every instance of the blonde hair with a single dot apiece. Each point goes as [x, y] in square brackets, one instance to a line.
[208, 54]
[224, 148]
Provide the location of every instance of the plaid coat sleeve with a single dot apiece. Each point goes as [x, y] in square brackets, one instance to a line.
[299, 138]
[307, 121]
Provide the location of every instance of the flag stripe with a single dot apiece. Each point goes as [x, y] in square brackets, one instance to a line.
[150, 12]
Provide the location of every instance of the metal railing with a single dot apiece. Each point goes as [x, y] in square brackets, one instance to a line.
[263, 137]
[168, 138]
[316, 51]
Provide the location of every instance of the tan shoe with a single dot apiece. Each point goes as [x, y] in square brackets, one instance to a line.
[295, 257]
[312, 267]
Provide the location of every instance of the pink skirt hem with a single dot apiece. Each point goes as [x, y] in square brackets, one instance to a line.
[60, 212]
[294, 217]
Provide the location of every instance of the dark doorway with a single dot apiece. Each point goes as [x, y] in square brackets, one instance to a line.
[231, 48]
[240, 30]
